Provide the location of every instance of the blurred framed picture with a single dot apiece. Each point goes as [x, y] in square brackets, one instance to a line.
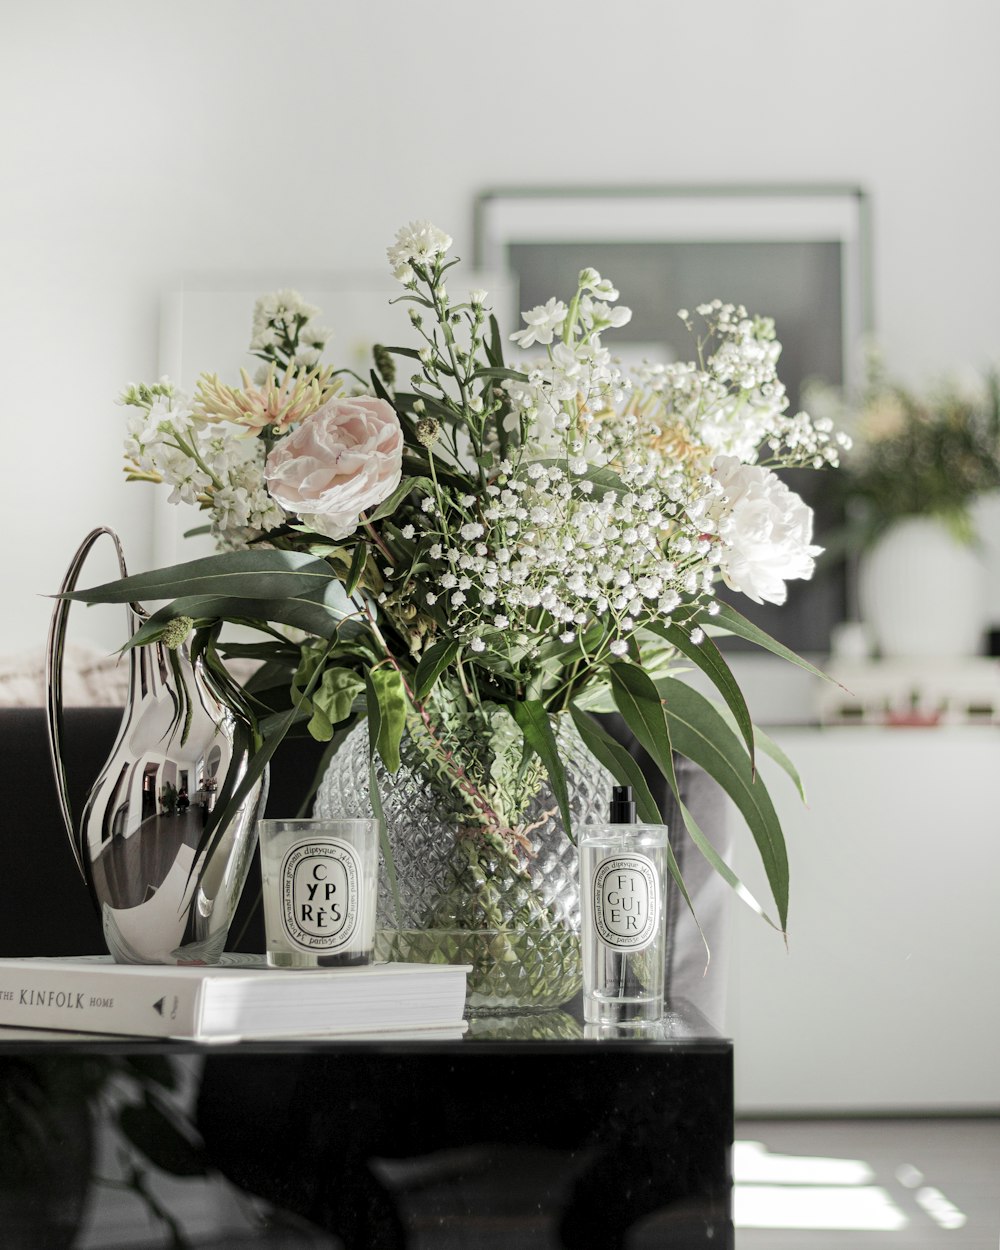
[799, 254]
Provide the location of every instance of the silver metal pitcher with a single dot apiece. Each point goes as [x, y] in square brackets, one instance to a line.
[164, 872]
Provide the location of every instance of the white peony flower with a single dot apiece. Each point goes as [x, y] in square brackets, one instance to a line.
[765, 528]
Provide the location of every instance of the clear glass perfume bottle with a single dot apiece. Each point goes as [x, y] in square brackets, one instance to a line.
[623, 868]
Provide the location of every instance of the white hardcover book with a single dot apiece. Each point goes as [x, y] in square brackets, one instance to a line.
[93, 995]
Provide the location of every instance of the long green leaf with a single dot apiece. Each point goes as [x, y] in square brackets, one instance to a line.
[374, 733]
[386, 713]
[707, 656]
[409, 484]
[600, 476]
[256, 765]
[358, 561]
[501, 373]
[734, 622]
[273, 651]
[534, 723]
[618, 762]
[378, 386]
[718, 863]
[432, 664]
[654, 725]
[308, 614]
[241, 574]
[770, 748]
[494, 349]
[410, 353]
[698, 732]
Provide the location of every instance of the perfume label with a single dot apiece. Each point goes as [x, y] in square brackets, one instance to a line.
[627, 902]
[321, 895]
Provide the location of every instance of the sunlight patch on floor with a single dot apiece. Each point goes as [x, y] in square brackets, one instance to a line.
[801, 1191]
[862, 1208]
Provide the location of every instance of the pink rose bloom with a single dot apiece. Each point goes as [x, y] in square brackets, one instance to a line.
[342, 459]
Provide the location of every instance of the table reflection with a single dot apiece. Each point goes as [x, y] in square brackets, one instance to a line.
[532, 1131]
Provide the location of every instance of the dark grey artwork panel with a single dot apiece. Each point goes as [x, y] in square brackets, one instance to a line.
[796, 283]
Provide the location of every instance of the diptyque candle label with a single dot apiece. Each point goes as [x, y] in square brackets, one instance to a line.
[321, 895]
[626, 902]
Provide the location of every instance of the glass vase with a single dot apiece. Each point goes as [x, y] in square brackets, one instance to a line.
[502, 898]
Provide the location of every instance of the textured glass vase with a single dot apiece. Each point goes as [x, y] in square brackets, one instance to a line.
[461, 893]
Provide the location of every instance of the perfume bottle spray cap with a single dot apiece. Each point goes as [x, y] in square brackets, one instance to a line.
[622, 806]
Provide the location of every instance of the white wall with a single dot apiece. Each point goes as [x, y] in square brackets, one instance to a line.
[141, 140]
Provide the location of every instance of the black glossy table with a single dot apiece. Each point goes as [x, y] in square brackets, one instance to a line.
[525, 1133]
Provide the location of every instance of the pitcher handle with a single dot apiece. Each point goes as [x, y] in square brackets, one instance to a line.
[54, 675]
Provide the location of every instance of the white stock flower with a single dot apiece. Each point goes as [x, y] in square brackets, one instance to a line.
[418, 241]
[766, 531]
[542, 322]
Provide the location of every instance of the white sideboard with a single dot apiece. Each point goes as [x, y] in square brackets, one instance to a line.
[888, 996]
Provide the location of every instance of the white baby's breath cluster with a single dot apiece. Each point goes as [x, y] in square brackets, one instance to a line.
[551, 544]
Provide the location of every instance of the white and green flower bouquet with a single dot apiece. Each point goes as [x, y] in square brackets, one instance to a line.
[463, 538]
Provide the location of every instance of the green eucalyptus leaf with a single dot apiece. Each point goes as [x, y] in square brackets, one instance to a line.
[321, 613]
[275, 723]
[622, 766]
[770, 748]
[699, 732]
[432, 664]
[409, 484]
[597, 474]
[358, 561]
[534, 723]
[707, 656]
[244, 575]
[410, 352]
[663, 727]
[432, 407]
[494, 350]
[387, 713]
[378, 386]
[263, 740]
[267, 651]
[618, 762]
[734, 622]
[501, 372]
